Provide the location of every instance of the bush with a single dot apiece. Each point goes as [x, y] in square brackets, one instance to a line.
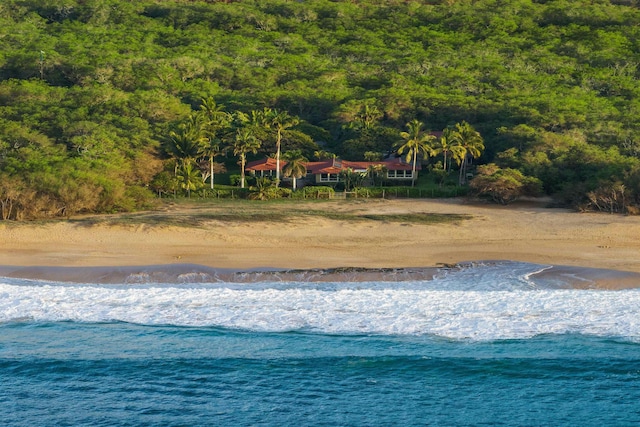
[504, 185]
[366, 193]
[234, 180]
[165, 183]
[314, 192]
[612, 198]
[136, 197]
[269, 193]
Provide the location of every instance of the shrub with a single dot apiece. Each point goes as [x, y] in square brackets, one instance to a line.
[235, 179]
[136, 197]
[504, 185]
[165, 183]
[612, 198]
[314, 192]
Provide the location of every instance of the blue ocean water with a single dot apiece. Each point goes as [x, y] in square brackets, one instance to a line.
[485, 345]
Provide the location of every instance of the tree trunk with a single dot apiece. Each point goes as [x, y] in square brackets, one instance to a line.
[7, 207]
[278, 140]
[242, 161]
[462, 169]
[413, 171]
[211, 159]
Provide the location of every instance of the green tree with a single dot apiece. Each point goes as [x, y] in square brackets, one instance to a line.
[504, 185]
[213, 113]
[352, 179]
[165, 182]
[296, 166]
[263, 190]
[210, 149]
[243, 143]
[372, 156]
[359, 115]
[531, 74]
[416, 142]
[323, 155]
[280, 121]
[216, 121]
[189, 178]
[186, 142]
[376, 173]
[472, 146]
[367, 117]
[449, 146]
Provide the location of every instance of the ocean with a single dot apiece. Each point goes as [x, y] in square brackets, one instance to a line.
[483, 344]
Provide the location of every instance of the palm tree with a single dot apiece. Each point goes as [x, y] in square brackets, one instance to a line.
[212, 111]
[376, 173]
[449, 146]
[296, 166]
[210, 149]
[184, 143]
[262, 190]
[215, 121]
[244, 142]
[280, 121]
[415, 142]
[323, 155]
[188, 177]
[259, 121]
[367, 117]
[352, 179]
[261, 118]
[472, 143]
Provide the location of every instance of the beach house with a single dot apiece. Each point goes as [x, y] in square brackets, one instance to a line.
[330, 172]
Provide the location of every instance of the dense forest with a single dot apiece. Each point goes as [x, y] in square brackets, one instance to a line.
[95, 94]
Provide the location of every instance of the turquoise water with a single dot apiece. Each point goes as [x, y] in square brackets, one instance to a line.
[484, 346]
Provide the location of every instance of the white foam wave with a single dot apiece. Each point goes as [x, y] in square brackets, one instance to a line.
[335, 309]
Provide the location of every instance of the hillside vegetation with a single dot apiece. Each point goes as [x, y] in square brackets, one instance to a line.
[91, 91]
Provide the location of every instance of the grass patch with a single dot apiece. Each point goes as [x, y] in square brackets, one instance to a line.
[411, 218]
[238, 213]
[420, 218]
[195, 219]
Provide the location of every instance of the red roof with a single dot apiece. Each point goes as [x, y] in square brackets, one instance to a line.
[267, 164]
[400, 165]
[334, 166]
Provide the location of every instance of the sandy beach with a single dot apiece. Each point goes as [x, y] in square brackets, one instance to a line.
[522, 232]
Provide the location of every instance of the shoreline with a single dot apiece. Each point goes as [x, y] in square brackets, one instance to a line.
[192, 273]
[525, 232]
[554, 276]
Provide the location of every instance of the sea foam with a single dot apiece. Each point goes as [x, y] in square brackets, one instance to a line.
[480, 302]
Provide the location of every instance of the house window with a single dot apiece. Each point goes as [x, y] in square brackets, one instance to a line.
[329, 177]
[398, 174]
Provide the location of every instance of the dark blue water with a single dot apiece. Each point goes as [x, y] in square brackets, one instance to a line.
[488, 344]
[121, 374]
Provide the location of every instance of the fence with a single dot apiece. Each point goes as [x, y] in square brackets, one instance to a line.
[329, 193]
[388, 193]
